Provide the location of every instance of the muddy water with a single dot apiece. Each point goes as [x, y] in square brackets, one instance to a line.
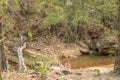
[86, 61]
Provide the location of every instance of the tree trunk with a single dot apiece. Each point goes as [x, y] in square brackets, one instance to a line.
[0, 52]
[117, 58]
[3, 64]
[22, 64]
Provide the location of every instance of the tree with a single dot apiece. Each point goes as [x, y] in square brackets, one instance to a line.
[3, 60]
[18, 20]
[117, 61]
[0, 56]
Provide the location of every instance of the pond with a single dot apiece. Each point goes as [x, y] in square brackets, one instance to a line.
[86, 61]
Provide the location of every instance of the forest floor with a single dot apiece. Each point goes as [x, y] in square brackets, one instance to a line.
[89, 73]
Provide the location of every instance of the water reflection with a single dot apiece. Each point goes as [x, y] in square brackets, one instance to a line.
[86, 61]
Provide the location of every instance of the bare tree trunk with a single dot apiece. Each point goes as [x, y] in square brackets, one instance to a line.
[22, 64]
[117, 58]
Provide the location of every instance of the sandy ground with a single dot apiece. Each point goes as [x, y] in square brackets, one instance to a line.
[105, 73]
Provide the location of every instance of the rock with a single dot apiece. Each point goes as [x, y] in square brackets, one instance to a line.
[78, 73]
[84, 50]
[82, 44]
[66, 72]
[56, 67]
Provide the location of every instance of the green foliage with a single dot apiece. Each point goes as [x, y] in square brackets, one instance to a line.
[75, 12]
[1, 44]
[30, 35]
[97, 71]
[69, 3]
[41, 69]
[5, 3]
[1, 12]
[45, 63]
[53, 20]
[17, 2]
[111, 51]
[43, 3]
